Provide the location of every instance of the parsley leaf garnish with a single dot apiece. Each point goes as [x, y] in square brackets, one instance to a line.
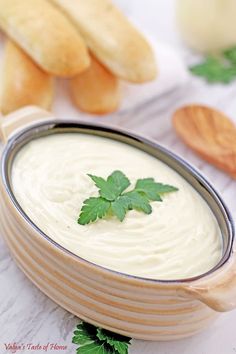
[138, 201]
[152, 189]
[93, 209]
[99, 341]
[119, 181]
[230, 54]
[120, 207]
[217, 69]
[114, 200]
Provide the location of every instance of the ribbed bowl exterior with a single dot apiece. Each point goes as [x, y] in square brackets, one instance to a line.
[126, 305]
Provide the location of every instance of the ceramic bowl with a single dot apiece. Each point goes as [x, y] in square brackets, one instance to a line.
[129, 305]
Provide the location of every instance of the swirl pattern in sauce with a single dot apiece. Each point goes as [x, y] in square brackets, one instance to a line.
[180, 239]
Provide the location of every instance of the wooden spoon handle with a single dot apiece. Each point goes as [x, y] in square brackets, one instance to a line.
[209, 133]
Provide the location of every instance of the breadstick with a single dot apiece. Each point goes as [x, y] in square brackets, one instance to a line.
[46, 35]
[96, 90]
[112, 38]
[23, 82]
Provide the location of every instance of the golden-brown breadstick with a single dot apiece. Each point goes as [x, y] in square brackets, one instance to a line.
[46, 35]
[96, 90]
[23, 82]
[112, 38]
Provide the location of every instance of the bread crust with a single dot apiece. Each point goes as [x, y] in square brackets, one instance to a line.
[23, 82]
[96, 90]
[46, 35]
[112, 38]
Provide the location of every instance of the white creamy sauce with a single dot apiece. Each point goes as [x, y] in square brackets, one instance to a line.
[181, 238]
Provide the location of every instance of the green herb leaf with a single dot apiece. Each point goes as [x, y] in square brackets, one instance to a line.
[221, 69]
[119, 181]
[99, 341]
[111, 188]
[93, 209]
[115, 201]
[84, 334]
[230, 54]
[94, 348]
[152, 189]
[120, 207]
[107, 189]
[138, 202]
[118, 342]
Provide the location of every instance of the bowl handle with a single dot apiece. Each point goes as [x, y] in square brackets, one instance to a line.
[21, 118]
[217, 290]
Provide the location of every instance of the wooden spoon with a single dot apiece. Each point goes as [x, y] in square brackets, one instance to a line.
[209, 133]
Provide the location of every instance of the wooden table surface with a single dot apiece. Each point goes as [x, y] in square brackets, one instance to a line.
[27, 315]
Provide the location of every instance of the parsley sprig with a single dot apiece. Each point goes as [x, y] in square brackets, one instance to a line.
[217, 69]
[114, 200]
[99, 341]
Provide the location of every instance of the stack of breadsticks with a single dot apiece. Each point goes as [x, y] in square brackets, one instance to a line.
[89, 42]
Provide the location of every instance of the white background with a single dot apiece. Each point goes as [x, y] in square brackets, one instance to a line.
[26, 315]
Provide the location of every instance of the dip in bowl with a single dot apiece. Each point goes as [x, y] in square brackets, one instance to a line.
[179, 239]
[159, 276]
